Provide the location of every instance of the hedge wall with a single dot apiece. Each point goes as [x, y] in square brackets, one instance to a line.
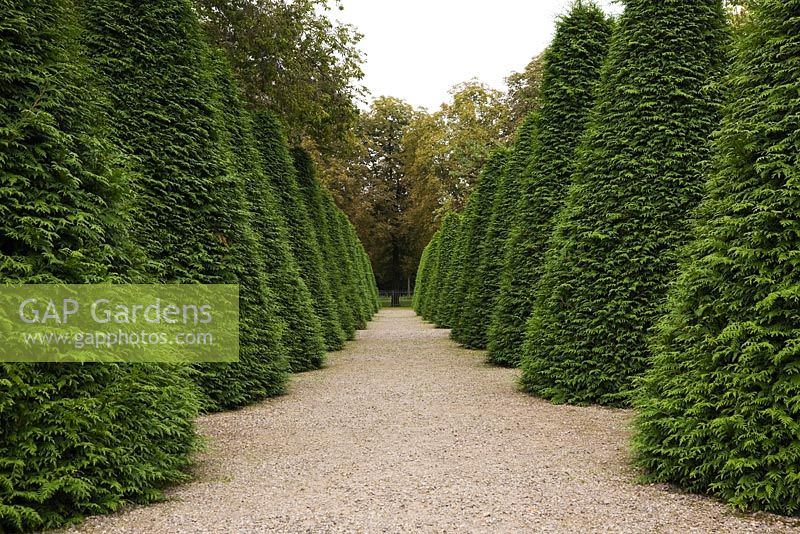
[421, 282]
[445, 269]
[312, 195]
[302, 237]
[429, 276]
[75, 439]
[191, 209]
[292, 299]
[127, 156]
[492, 255]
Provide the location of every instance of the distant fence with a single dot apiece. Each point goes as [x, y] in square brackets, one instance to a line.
[395, 299]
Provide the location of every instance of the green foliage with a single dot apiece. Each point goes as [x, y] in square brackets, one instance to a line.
[639, 175]
[282, 178]
[467, 321]
[312, 195]
[428, 276]
[341, 227]
[59, 176]
[292, 297]
[445, 267]
[342, 286]
[548, 140]
[483, 300]
[421, 283]
[191, 208]
[363, 307]
[719, 412]
[87, 439]
[75, 439]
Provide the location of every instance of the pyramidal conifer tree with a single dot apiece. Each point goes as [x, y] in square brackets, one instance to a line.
[359, 273]
[450, 302]
[312, 193]
[570, 76]
[497, 232]
[430, 276]
[639, 175]
[370, 288]
[451, 228]
[302, 236]
[75, 439]
[342, 287]
[292, 299]
[341, 236]
[421, 281]
[466, 325]
[191, 207]
[719, 410]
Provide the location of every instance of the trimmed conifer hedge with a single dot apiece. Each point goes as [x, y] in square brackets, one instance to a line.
[311, 193]
[467, 323]
[302, 236]
[303, 340]
[446, 260]
[719, 412]
[128, 158]
[429, 276]
[492, 254]
[639, 175]
[343, 285]
[75, 439]
[570, 75]
[363, 307]
[421, 282]
[190, 206]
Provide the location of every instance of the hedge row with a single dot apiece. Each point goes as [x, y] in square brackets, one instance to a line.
[569, 84]
[128, 157]
[651, 260]
[486, 295]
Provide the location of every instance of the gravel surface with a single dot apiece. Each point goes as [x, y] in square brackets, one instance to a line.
[404, 431]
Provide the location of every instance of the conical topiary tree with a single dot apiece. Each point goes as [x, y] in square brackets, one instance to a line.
[451, 301]
[544, 158]
[368, 281]
[421, 281]
[311, 192]
[430, 276]
[467, 323]
[304, 345]
[342, 288]
[498, 226]
[639, 175]
[719, 411]
[451, 228]
[302, 237]
[359, 273]
[191, 207]
[75, 439]
[342, 237]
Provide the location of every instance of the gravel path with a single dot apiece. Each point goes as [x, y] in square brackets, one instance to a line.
[404, 431]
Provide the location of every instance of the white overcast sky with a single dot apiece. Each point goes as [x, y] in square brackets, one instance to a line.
[418, 49]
